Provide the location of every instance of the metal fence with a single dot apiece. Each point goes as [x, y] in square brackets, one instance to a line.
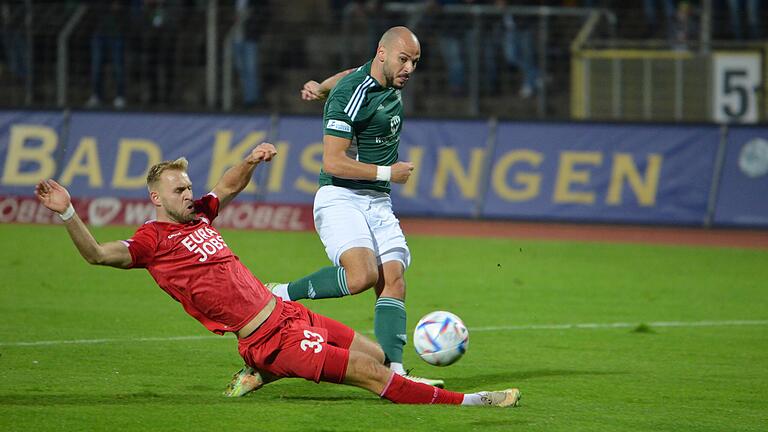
[510, 59]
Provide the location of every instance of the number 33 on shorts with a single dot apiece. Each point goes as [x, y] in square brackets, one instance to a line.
[312, 341]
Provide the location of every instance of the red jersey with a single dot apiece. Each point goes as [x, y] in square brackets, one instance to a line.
[193, 264]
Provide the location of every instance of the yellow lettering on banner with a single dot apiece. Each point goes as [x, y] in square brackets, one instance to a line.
[18, 153]
[448, 164]
[225, 157]
[530, 181]
[126, 148]
[277, 167]
[568, 175]
[415, 155]
[625, 168]
[311, 161]
[85, 162]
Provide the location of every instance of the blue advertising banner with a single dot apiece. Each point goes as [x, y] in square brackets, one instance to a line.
[743, 194]
[610, 173]
[450, 159]
[29, 145]
[109, 154]
[540, 171]
[293, 174]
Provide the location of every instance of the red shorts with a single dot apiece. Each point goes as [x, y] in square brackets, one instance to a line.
[296, 342]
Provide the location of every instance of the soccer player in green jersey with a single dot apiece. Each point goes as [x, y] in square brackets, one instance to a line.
[352, 210]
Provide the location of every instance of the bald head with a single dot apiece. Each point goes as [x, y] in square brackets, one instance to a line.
[396, 57]
[396, 35]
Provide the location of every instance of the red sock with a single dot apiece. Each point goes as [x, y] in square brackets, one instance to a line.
[404, 391]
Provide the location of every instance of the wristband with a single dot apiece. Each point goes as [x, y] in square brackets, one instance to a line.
[68, 213]
[383, 173]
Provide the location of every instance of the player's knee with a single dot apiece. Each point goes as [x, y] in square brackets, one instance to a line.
[395, 287]
[359, 280]
[362, 344]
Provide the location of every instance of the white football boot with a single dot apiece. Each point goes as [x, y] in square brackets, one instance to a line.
[503, 398]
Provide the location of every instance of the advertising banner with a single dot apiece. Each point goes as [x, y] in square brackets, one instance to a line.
[464, 168]
[30, 143]
[602, 172]
[743, 194]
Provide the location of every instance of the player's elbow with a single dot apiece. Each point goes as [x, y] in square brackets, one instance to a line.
[94, 259]
[332, 166]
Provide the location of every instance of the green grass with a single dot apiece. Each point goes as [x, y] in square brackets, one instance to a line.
[639, 377]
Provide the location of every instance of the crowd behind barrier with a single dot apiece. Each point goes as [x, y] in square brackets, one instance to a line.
[480, 57]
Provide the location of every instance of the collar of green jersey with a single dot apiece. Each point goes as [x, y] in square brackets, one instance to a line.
[367, 69]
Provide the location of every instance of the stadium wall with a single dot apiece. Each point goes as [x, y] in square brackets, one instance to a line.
[586, 172]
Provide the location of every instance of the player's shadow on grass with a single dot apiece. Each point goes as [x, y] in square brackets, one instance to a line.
[319, 398]
[144, 397]
[514, 377]
[464, 383]
[149, 397]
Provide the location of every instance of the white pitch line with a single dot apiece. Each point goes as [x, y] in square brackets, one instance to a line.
[471, 329]
[625, 325]
[104, 341]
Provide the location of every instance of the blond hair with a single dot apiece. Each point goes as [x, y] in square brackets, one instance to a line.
[153, 176]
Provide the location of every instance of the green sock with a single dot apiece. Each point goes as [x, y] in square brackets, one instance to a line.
[389, 327]
[328, 282]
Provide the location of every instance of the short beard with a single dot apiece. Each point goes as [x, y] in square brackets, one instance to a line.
[179, 218]
[389, 79]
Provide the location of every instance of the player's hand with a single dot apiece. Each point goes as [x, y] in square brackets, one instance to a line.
[263, 152]
[312, 91]
[52, 195]
[401, 171]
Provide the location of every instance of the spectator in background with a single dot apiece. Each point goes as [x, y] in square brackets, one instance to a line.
[158, 24]
[453, 35]
[251, 18]
[12, 17]
[108, 39]
[361, 18]
[459, 37]
[651, 12]
[736, 9]
[516, 37]
[684, 27]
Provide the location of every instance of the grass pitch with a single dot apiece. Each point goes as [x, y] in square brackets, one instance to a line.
[117, 356]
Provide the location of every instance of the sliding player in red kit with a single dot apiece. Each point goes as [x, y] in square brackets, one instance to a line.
[190, 260]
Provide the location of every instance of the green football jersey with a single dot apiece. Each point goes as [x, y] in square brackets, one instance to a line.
[360, 109]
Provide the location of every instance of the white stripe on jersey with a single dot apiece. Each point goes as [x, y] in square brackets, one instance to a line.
[359, 103]
[355, 94]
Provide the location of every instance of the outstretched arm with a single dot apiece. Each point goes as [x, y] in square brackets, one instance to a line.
[313, 90]
[237, 178]
[56, 198]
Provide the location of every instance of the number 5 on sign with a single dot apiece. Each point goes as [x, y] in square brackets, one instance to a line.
[737, 79]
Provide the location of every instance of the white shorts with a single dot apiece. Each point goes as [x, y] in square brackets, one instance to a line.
[348, 218]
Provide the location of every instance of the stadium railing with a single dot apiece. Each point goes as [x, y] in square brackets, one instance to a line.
[474, 61]
[189, 64]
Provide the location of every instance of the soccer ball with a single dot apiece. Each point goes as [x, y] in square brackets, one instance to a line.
[440, 338]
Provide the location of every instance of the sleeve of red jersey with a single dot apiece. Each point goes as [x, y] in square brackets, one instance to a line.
[142, 245]
[208, 205]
